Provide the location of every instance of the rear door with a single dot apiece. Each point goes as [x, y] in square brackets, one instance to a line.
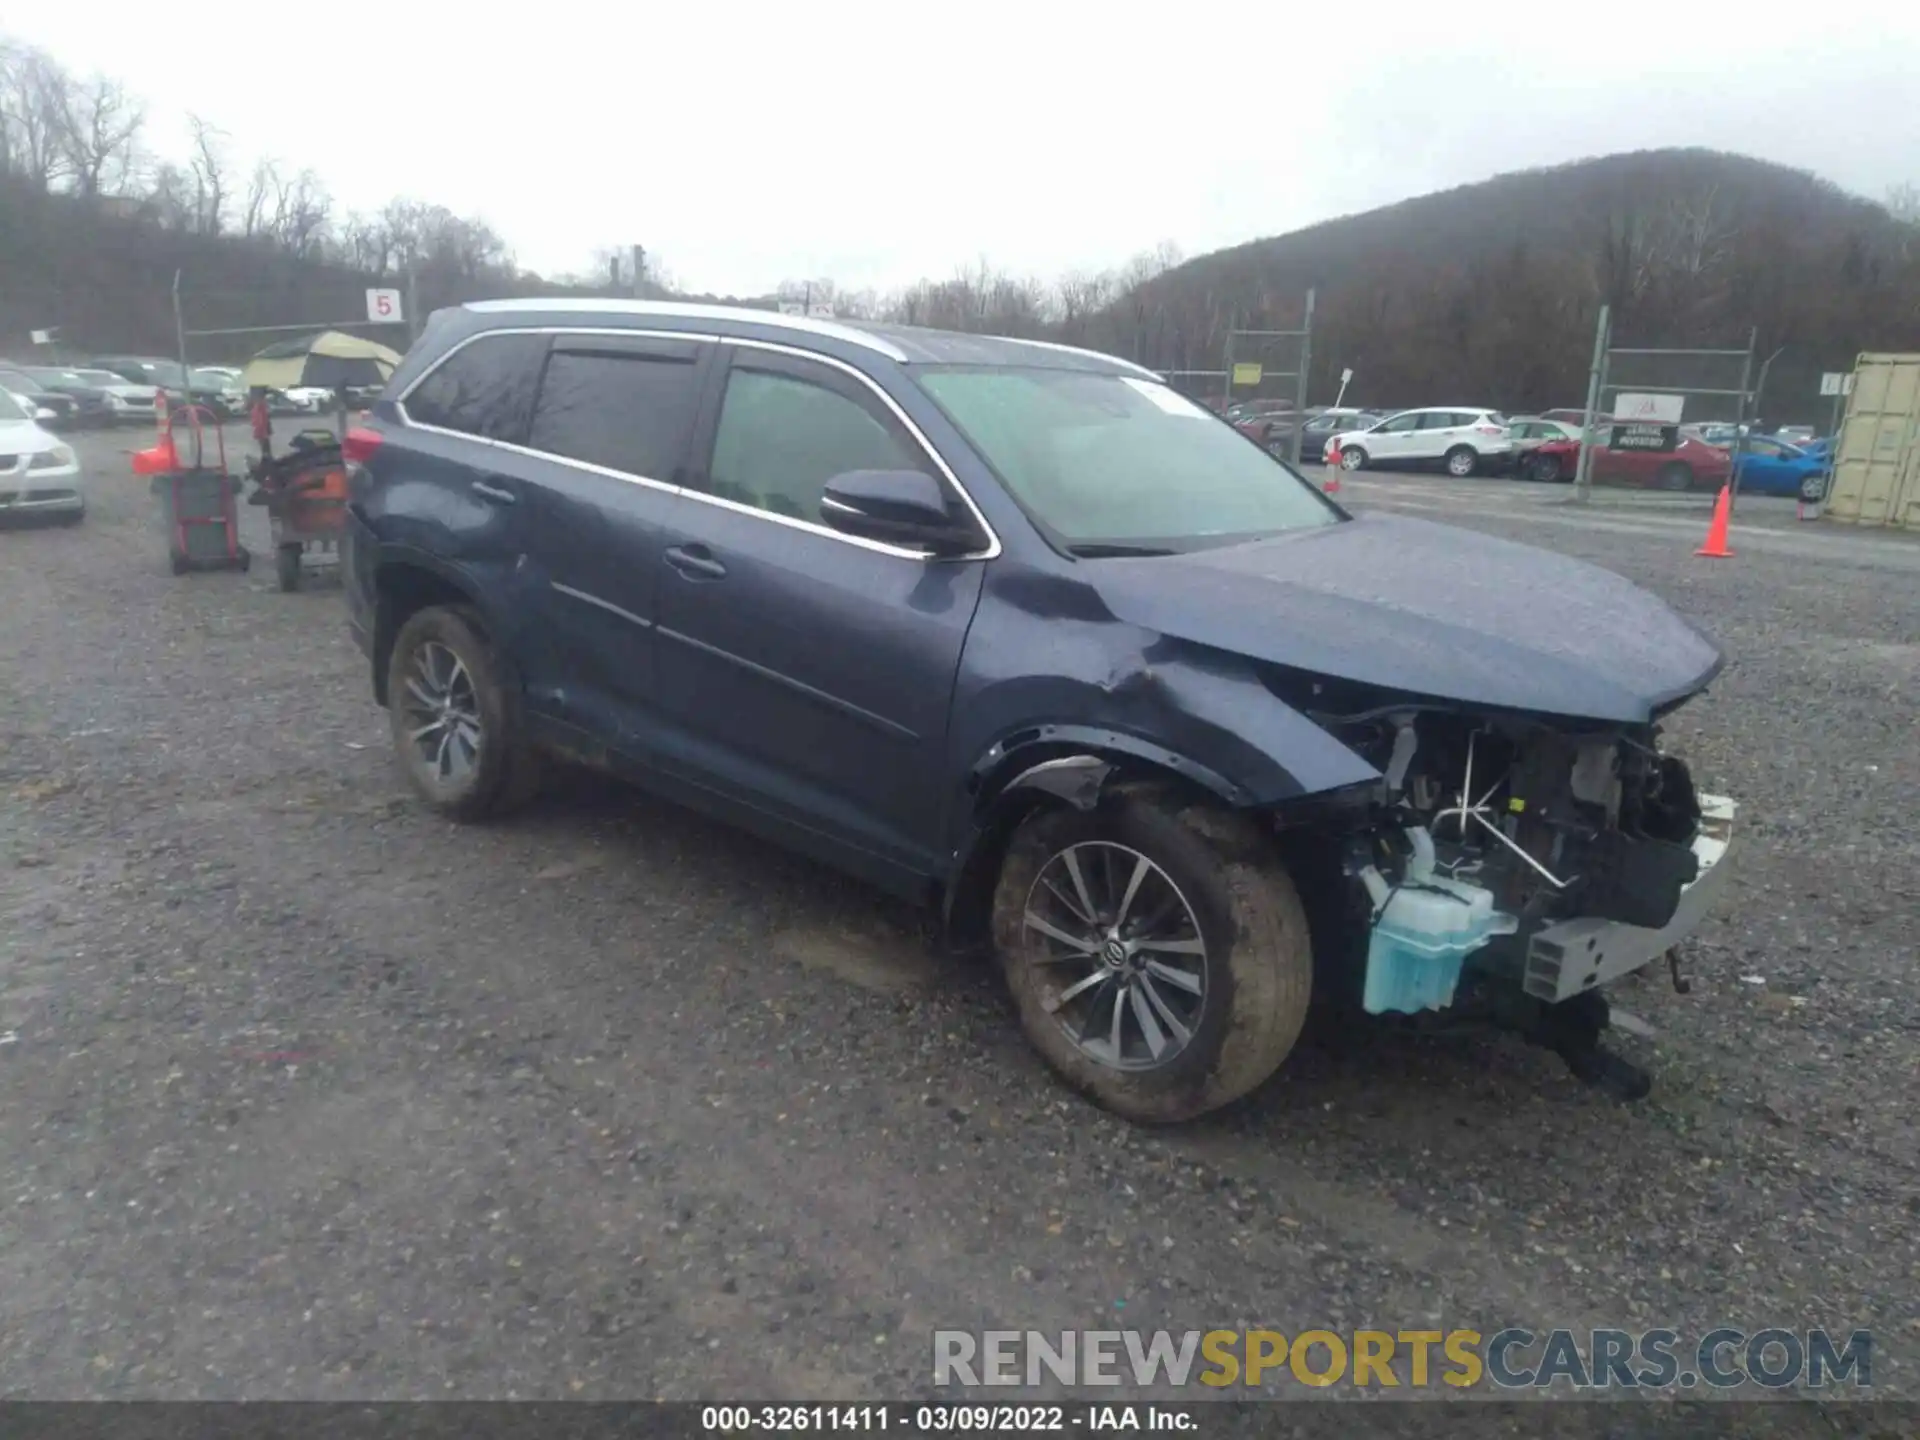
[433, 494]
[810, 673]
[605, 451]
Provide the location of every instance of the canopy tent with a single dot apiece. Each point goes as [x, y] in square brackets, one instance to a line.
[331, 360]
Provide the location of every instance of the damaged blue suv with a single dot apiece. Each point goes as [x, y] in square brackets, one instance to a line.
[1017, 631]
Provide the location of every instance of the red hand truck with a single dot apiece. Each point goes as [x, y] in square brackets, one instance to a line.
[197, 500]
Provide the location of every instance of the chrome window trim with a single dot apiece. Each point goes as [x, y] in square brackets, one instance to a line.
[663, 308]
[991, 551]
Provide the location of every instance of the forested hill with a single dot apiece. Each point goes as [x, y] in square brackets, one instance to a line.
[1489, 292]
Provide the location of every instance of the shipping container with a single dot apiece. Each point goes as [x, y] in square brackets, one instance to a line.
[1876, 476]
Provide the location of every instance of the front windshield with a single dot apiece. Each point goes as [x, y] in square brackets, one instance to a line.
[213, 379]
[10, 408]
[1114, 461]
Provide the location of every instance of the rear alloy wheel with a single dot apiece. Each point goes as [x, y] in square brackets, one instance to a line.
[1353, 458]
[455, 718]
[1675, 476]
[1158, 953]
[1543, 468]
[1462, 461]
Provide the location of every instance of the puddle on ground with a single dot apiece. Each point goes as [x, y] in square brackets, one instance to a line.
[871, 955]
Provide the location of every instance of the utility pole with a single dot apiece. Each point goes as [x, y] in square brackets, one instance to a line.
[1740, 418]
[180, 332]
[1583, 472]
[1300, 383]
[413, 304]
[1226, 388]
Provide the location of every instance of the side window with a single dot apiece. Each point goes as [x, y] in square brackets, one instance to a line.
[626, 409]
[781, 438]
[484, 388]
[1402, 424]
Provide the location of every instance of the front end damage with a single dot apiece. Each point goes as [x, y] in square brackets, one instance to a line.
[1513, 866]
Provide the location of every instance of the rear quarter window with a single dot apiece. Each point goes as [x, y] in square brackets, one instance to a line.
[484, 388]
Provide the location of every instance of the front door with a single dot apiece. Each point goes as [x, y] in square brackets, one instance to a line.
[1394, 439]
[810, 673]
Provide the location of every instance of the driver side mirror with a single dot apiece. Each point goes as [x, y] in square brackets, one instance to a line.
[897, 507]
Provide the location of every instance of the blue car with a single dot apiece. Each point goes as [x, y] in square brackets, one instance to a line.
[1018, 632]
[1773, 467]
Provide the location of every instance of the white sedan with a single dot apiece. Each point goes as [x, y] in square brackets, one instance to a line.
[130, 401]
[39, 474]
[1463, 438]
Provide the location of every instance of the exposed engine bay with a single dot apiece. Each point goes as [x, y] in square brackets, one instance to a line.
[1554, 858]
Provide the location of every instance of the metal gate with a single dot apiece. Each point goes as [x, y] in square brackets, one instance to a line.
[1256, 361]
[1663, 380]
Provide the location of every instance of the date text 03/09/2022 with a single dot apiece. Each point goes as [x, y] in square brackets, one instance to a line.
[921, 1419]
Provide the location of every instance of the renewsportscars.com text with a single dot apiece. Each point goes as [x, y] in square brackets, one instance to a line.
[1510, 1359]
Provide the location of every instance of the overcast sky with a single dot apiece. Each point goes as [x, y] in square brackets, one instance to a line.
[748, 143]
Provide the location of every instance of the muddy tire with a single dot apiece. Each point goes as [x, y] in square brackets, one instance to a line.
[455, 714]
[1198, 943]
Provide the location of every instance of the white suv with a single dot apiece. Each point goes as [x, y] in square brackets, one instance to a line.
[1464, 438]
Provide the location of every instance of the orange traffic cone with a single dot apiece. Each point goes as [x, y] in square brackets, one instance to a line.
[1716, 546]
[1332, 461]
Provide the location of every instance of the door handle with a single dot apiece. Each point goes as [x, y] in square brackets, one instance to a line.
[493, 493]
[695, 562]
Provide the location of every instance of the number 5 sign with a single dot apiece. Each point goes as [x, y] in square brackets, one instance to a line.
[383, 307]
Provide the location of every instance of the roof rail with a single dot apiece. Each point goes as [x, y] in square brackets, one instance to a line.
[614, 305]
[1090, 354]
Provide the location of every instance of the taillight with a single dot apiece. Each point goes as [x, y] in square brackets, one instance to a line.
[1488, 430]
[359, 445]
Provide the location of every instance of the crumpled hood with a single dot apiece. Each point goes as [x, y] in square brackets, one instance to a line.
[1429, 609]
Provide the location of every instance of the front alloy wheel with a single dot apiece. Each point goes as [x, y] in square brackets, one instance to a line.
[1155, 948]
[1126, 963]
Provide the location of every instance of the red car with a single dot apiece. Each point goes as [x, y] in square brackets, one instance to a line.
[1550, 450]
[1256, 419]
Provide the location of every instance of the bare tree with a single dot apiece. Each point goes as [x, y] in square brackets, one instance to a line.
[171, 198]
[301, 209]
[35, 91]
[365, 243]
[256, 213]
[1903, 203]
[209, 166]
[99, 133]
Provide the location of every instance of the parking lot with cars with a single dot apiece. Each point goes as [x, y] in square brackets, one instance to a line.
[309, 1093]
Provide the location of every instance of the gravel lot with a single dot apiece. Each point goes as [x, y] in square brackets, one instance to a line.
[304, 1094]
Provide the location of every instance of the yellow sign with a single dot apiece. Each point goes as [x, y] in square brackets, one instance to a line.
[1246, 372]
